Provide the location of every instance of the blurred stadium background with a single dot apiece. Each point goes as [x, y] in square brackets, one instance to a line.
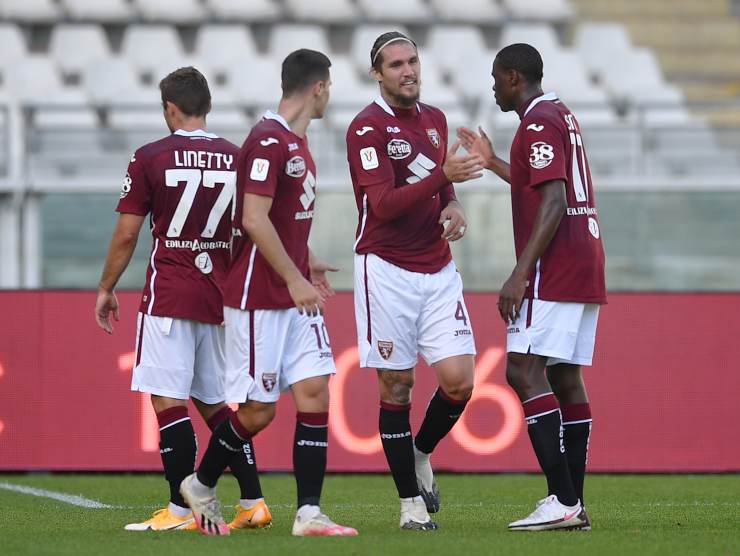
[655, 85]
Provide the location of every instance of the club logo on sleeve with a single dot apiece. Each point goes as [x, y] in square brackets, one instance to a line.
[385, 349]
[364, 130]
[295, 167]
[269, 381]
[269, 141]
[260, 167]
[541, 155]
[535, 127]
[126, 185]
[433, 135]
[203, 263]
[369, 158]
[593, 227]
[398, 149]
[292, 147]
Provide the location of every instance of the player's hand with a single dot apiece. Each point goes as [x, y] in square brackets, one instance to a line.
[104, 306]
[306, 297]
[460, 168]
[510, 298]
[477, 144]
[453, 219]
[318, 270]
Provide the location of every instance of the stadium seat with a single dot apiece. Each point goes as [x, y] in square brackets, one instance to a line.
[171, 11]
[61, 119]
[262, 93]
[12, 44]
[147, 47]
[74, 46]
[454, 45]
[349, 93]
[114, 81]
[409, 11]
[598, 42]
[636, 76]
[31, 11]
[107, 11]
[222, 47]
[239, 10]
[539, 35]
[35, 79]
[539, 10]
[468, 11]
[286, 38]
[363, 38]
[323, 11]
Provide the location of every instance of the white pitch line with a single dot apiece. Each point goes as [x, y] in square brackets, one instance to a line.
[60, 496]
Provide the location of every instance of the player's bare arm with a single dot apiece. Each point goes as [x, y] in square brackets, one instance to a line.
[257, 223]
[453, 219]
[122, 246]
[480, 144]
[551, 211]
[318, 269]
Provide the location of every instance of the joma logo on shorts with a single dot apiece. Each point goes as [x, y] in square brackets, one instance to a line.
[463, 332]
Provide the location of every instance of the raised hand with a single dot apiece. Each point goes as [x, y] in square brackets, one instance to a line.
[477, 144]
[459, 168]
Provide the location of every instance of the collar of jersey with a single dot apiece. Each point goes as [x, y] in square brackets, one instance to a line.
[547, 96]
[380, 101]
[270, 115]
[196, 133]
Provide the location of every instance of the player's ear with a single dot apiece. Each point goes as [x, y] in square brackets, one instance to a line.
[375, 74]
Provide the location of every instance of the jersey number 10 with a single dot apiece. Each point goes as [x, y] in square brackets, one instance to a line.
[193, 179]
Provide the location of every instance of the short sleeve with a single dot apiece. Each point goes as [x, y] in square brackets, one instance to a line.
[367, 155]
[545, 151]
[261, 168]
[136, 191]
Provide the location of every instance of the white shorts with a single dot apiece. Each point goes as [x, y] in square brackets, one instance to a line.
[400, 314]
[179, 358]
[562, 331]
[269, 350]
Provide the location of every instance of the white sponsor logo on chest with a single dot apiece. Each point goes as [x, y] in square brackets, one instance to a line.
[398, 149]
[295, 167]
[203, 263]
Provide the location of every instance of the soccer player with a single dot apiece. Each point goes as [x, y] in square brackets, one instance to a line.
[185, 182]
[550, 303]
[274, 297]
[408, 292]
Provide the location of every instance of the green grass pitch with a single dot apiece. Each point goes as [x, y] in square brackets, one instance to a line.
[672, 514]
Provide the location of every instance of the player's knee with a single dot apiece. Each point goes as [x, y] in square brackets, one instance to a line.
[461, 391]
[256, 416]
[515, 374]
[395, 386]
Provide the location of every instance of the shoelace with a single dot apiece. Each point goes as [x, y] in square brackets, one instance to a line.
[540, 509]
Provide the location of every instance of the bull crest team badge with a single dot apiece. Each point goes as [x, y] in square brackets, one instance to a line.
[433, 135]
[385, 349]
[269, 380]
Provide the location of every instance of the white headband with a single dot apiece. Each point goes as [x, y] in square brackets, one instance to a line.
[394, 39]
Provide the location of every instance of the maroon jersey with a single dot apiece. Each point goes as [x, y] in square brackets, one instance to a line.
[548, 146]
[186, 183]
[400, 147]
[277, 163]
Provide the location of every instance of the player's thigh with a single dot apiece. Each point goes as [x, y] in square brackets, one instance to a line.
[585, 337]
[307, 355]
[255, 343]
[210, 364]
[444, 324]
[387, 307]
[546, 328]
[165, 356]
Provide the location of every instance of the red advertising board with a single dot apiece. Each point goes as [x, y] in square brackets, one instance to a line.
[663, 388]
